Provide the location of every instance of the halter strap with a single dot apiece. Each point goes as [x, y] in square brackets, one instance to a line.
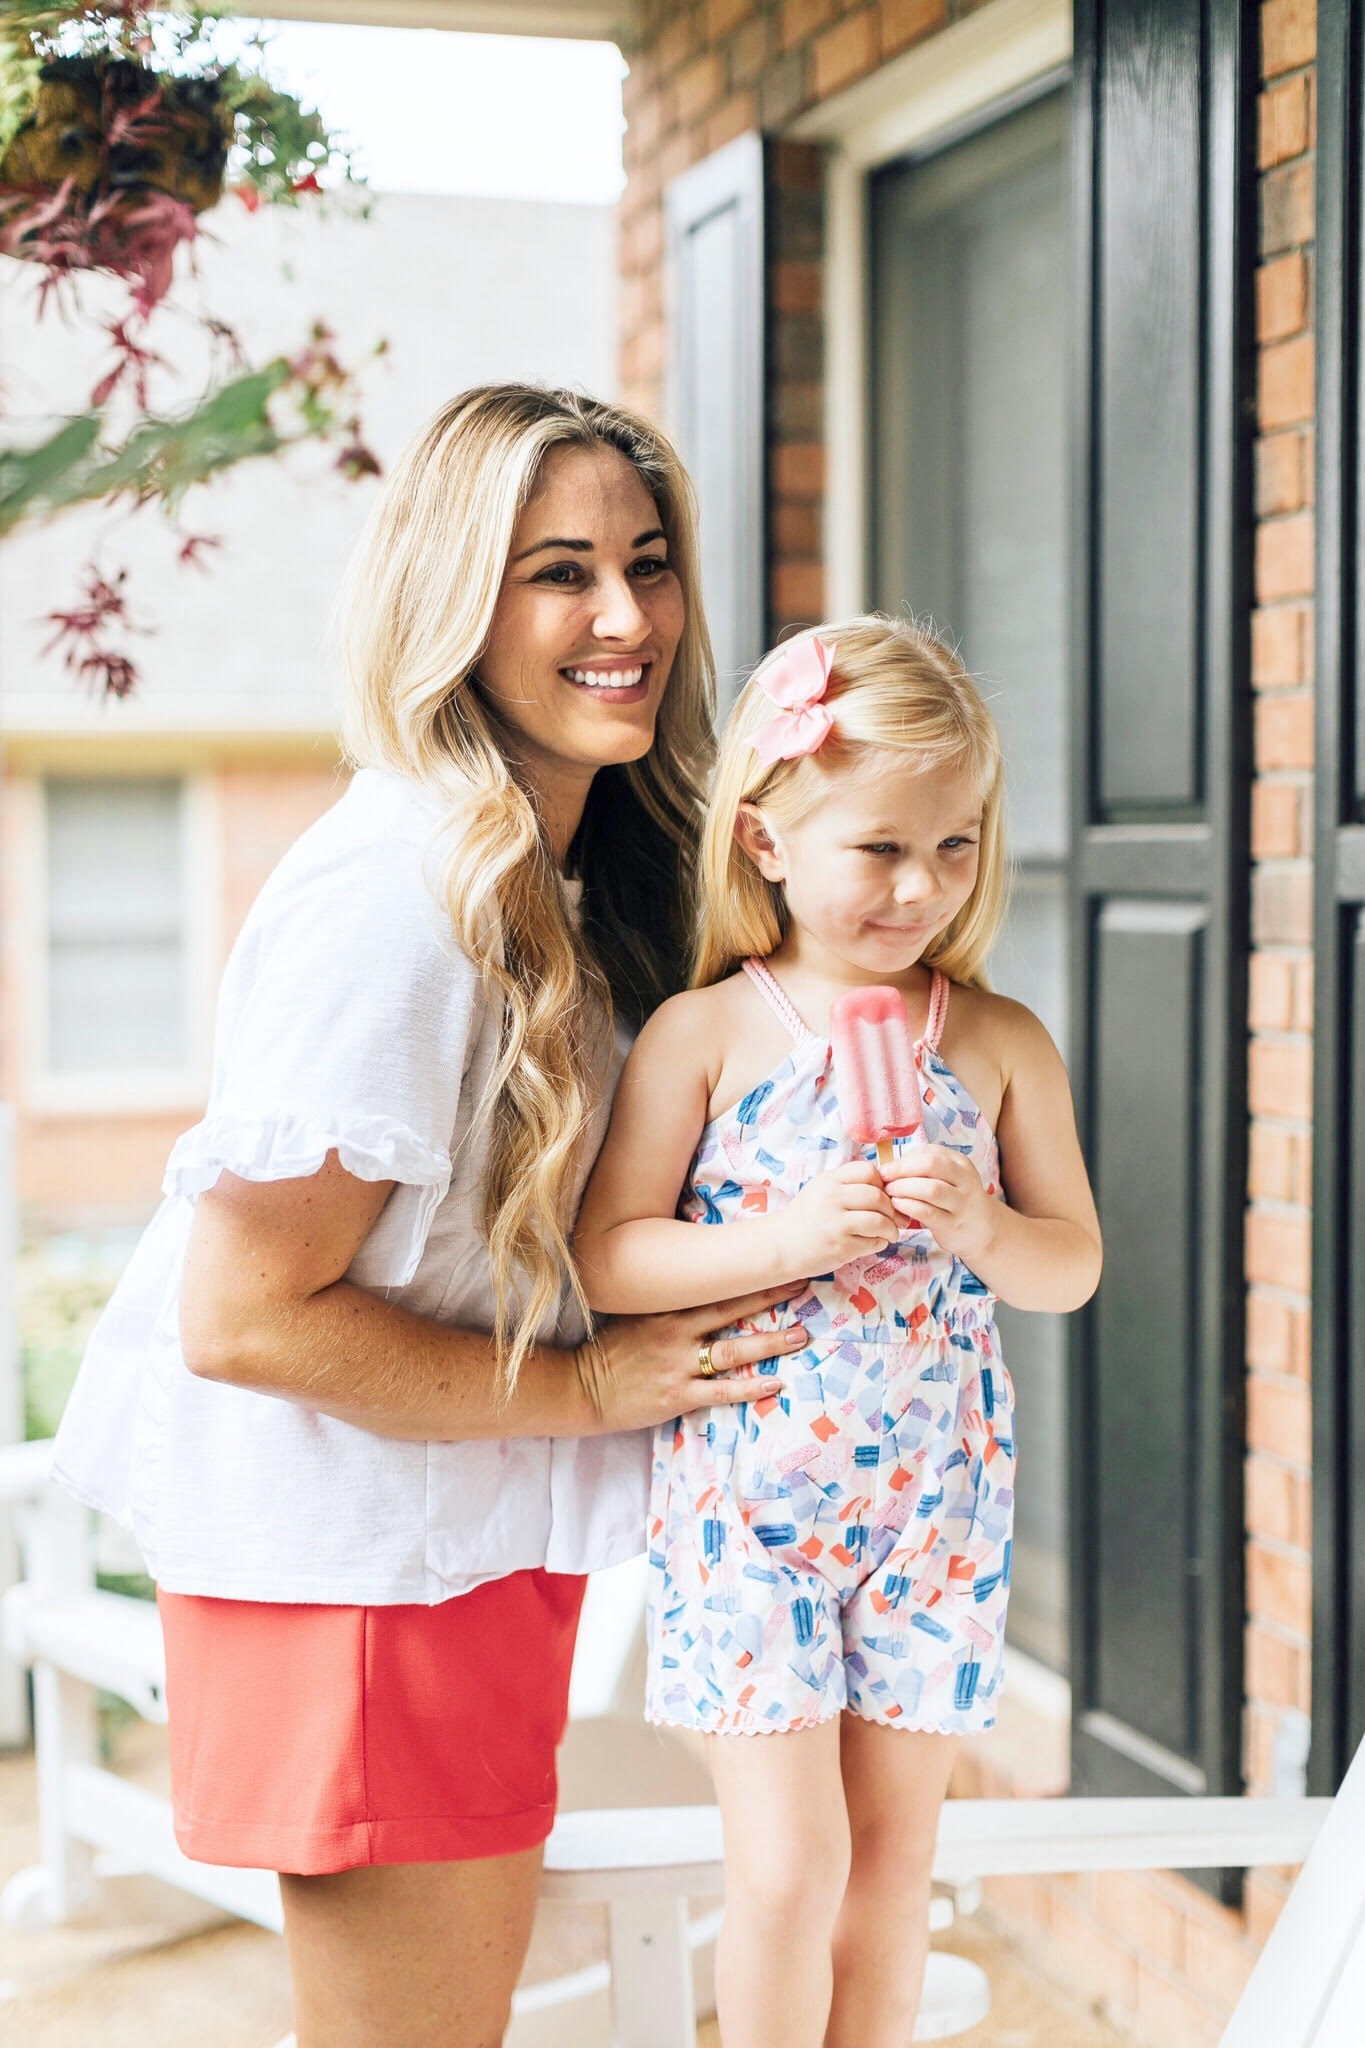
[938, 1009]
[777, 999]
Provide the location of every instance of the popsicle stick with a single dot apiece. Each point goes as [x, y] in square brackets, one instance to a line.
[886, 1152]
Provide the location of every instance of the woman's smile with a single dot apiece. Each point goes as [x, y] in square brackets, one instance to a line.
[617, 679]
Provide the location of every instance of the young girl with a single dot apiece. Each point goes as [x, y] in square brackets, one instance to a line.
[830, 1562]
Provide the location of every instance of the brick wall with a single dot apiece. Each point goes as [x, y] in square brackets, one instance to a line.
[1152, 1950]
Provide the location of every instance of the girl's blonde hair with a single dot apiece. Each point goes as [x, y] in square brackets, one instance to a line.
[893, 685]
[414, 617]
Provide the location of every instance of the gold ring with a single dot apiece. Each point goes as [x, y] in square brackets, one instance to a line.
[706, 1365]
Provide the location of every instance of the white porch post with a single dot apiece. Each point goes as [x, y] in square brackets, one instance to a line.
[14, 1729]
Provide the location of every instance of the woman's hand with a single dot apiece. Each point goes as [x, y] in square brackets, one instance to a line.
[640, 1370]
[939, 1190]
[840, 1215]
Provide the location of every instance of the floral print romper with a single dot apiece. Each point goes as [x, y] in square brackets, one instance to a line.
[845, 1541]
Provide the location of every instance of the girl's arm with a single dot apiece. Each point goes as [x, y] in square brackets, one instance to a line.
[634, 1255]
[1040, 1248]
[264, 1305]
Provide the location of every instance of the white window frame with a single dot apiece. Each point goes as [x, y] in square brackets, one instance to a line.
[122, 1091]
[975, 68]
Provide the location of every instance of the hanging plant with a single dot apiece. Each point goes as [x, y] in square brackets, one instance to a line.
[114, 139]
[119, 128]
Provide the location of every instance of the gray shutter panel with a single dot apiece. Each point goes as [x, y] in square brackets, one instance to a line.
[1164, 118]
[1339, 935]
[714, 216]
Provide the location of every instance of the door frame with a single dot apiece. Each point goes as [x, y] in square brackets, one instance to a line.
[977, 71]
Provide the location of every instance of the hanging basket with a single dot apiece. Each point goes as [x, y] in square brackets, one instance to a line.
[106, 127]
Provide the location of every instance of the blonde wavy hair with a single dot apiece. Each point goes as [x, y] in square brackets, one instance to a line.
[413, 619]
[893, 685]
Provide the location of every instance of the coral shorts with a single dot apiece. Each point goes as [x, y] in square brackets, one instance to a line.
[316, 1738]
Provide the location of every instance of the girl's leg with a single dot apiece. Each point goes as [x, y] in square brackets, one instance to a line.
[894, 1781]
[786, 1865]
[409, 1955]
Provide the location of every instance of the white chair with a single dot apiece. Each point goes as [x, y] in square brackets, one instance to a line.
[651, 1875]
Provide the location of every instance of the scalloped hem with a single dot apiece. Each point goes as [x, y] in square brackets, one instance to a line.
[735, 1724]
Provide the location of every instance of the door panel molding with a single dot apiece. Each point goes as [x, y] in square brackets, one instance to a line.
[1161, 803]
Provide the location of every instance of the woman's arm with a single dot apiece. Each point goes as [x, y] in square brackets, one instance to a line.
[263, 1305]
[635, 1255]
[1040, 1248]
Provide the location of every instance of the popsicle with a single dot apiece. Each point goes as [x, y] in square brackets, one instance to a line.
[874, 1068]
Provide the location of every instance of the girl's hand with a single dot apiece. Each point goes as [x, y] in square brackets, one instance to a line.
[840, 1215]
[641, 1370]
[940, 1191]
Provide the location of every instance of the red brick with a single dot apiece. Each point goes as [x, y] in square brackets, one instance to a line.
[1302, 1018]
[1276, 821]
[1289, 35]
[1282, 904]
[738, 115]
[1278, 658]
[1127, 1903]
[1279, 1420]
[798, 469]
[1278, 1249]
[1098, 1968]
[1264, 1899]
[1281, 297]
[801, 18]
[1269, 1334]
[1277, 1501]
[1284, 558]
[681, 36]
[699, 85]
[1276, 1669]
[846, 52]
[1284, 730]
[1280, 1588]
[1168, 2012]
[1287, 207]
[798, 590]
[796, 528]
[1283, 122]
[1280, 1077]
[1270, 1166]
[905, 21]
[1285, 383]
[1271, 993]
[747, 52]
[1217, 1963]
[723, 15]
[796, 286]
[1281, 480]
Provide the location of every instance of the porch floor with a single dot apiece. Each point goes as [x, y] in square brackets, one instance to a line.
[154, 1969]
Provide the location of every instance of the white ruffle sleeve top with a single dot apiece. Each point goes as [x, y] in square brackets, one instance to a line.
[349, 1020]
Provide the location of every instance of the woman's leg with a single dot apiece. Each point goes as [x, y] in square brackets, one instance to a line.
[786, 1864]
[894, 1781]
[409, 1955]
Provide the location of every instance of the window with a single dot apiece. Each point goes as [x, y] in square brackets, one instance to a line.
[970, 302]
[117, 977]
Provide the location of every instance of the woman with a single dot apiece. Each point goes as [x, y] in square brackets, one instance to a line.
[343, 1395]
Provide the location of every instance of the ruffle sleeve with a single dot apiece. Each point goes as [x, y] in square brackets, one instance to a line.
[345, 1024]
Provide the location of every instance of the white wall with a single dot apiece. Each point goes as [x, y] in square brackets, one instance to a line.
[464, 290]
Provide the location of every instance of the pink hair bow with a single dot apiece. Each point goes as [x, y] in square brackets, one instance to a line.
[797, 680]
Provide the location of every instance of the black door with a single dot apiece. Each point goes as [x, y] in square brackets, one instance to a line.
[1164, 111]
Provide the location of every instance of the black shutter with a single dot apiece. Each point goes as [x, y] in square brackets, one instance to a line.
[714, 215]
[1339, 935]
[1164, 120]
